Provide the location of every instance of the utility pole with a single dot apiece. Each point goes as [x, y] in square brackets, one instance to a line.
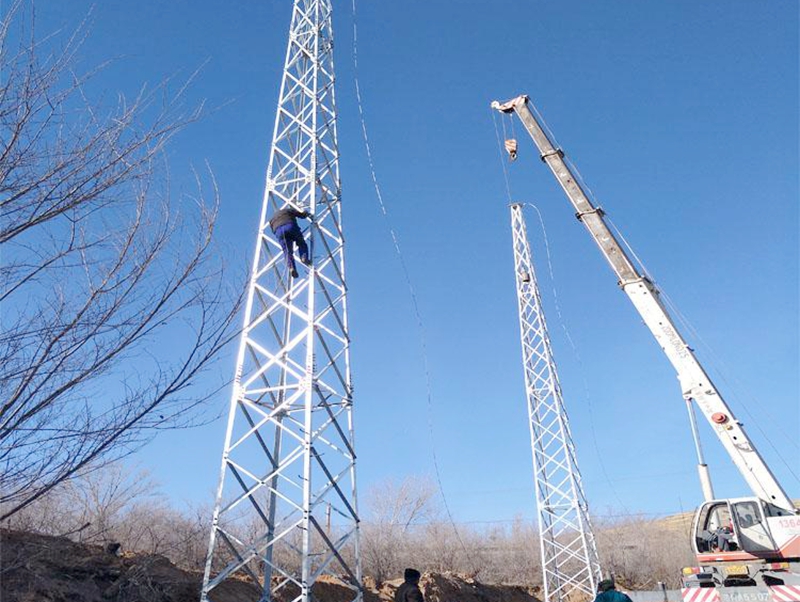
[569, 556]
[289, 455]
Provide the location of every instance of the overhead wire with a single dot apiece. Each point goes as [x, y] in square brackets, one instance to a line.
[562, 321]
[652, 516]
[673, 307]
[716, 360]
[578, 359]
[408, 281]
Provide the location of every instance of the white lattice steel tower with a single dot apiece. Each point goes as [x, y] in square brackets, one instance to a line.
[286, 511]
[570, 564]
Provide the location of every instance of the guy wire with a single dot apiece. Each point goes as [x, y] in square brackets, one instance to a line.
[716, 361]
[558, 311]
[407, 276]
[577, 355]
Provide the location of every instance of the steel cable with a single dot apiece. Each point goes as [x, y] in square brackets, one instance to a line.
[409, 284]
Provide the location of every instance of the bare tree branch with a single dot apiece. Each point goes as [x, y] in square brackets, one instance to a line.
[114, 298]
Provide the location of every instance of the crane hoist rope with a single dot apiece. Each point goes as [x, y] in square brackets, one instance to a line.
[739, 541]
[501, 146]
[695, 383]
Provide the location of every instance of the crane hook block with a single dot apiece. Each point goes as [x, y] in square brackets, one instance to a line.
[511, 147]
[719, 418]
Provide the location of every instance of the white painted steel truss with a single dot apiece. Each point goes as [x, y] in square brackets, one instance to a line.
[570, 563]
[286, 511]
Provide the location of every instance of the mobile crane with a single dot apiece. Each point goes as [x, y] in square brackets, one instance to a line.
[751, 541]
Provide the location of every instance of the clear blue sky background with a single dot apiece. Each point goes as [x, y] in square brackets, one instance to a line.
[682, 117]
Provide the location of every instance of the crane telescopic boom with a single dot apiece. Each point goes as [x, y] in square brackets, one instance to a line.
[695, 383]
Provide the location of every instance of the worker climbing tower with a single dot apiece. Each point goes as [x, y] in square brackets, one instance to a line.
[286, 511]
[569, 556]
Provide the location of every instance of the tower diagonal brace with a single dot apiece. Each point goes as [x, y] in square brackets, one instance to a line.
[286, 512]
[569, 555]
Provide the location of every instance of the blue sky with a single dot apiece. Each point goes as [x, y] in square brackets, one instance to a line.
[681, 116]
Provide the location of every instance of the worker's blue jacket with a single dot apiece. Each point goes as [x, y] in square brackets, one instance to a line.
[612, 595]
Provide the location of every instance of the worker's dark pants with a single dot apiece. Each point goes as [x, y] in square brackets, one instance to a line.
[723, 541]
[287, 236]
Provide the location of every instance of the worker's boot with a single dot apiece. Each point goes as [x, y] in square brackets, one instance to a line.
[294, 273]
[306, 261]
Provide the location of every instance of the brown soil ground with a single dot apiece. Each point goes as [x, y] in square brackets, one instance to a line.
[38, 568]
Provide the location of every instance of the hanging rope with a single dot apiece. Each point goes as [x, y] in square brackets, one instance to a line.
[409, 284]
[500, 147]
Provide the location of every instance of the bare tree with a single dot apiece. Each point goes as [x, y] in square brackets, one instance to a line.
[393, 509]
[504, 554]
[114, 302]
[104, 496]
[118, 504]
[91, 508]
[640, 552]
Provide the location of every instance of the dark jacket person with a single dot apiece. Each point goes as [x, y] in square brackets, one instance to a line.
[409, 591]
[606, 592]
[284, 225]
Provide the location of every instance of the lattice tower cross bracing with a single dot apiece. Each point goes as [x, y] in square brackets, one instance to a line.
[569, 555]
[289, 460]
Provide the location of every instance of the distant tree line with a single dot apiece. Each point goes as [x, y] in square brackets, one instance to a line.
[402, 525]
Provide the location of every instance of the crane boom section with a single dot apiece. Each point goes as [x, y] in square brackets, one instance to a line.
[695, 383]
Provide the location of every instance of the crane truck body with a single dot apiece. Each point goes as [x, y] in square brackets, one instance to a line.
[753, 541]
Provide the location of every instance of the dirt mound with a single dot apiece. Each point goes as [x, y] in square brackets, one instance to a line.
[452, 588]
[39, 568]
[448, 587]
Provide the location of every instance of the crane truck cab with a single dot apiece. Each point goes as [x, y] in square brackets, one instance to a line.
[744, 541]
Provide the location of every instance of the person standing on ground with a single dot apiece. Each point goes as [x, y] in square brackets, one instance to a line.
[284, 225]
[607, 592]
[409, 591]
